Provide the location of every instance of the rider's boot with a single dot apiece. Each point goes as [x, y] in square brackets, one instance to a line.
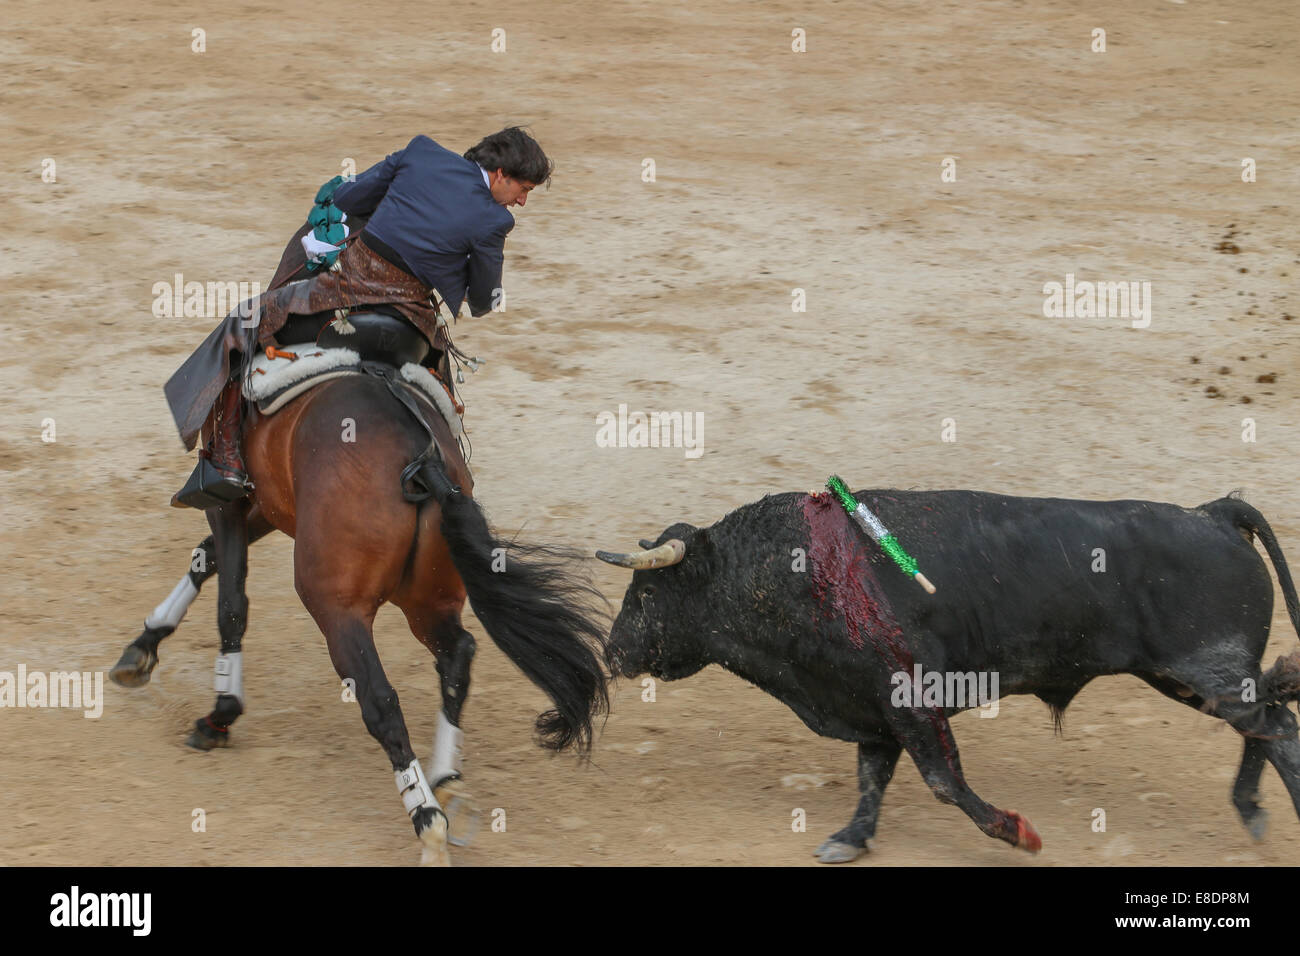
[219, 477]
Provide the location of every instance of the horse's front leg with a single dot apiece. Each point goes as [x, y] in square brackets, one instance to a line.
[135, 666]
[137, 662]
[229, 525]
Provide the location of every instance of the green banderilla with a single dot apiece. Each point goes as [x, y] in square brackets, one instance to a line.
[869, 523]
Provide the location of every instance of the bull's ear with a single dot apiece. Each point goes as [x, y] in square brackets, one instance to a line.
[646, 544]
[681, 531]
[701, 544]
[695, 539]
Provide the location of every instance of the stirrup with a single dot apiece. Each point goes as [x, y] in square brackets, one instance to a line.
[209, 488]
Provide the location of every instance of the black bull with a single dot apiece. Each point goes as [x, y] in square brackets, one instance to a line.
[1044, 593]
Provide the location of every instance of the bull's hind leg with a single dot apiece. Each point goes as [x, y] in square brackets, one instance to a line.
[1270, 733]
[1281, 746]
[137, 662]
[1268, 728]
[877, 758]
[1271, 736]
[1278, 739]
[229, 525]
[926, 734]
[1245, 790]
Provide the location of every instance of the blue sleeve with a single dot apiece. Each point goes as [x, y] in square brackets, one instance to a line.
[360, 197]
[486, 257]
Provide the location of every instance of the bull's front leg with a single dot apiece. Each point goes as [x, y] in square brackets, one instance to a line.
[926, 734]
[876, 761]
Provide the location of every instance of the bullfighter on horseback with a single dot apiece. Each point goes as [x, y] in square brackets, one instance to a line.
[422, 222]
[387, 515]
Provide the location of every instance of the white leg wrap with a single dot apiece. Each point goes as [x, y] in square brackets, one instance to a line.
[414, 788]
[170, 612]
[446, 748]
[230, 675]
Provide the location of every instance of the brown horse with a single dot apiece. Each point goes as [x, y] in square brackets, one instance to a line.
[326, 469]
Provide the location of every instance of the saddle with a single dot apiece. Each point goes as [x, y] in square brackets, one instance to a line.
[377, 334]
[317, 348]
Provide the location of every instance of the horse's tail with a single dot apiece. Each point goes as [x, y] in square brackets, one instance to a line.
[539, 609]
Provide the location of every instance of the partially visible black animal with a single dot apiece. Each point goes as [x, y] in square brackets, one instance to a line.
[1046, 593]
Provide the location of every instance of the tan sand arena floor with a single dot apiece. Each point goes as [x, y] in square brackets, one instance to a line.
[775, 170]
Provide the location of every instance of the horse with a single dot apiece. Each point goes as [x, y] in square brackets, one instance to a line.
[325, 470]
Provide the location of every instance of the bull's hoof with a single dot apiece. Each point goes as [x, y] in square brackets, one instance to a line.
[206, 737]
[833, 851]
[462, 813]
[1026, 837]
[1257, 825]
[134, 668]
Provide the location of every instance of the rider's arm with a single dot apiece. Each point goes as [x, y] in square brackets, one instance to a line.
[486, 257]
[360, 197]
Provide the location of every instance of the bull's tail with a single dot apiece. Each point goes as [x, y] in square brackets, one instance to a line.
[1248, 519]
[1282, 681]
[540, 611]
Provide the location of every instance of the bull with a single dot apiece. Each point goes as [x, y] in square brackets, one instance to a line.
[1043, 593]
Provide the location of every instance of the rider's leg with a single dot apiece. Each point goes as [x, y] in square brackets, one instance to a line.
[224, 452]
[219, 476]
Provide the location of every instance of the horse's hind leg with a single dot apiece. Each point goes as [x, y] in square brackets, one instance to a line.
[352, 651]
[229, 525]
[453, 649]
[342, 592]
[137, 662]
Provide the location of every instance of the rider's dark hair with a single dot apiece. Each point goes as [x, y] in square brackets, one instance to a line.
[514, 151]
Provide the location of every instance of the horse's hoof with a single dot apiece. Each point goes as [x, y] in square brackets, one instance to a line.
[434, 838]
[462, 813]
[206, 738]
[833, 851]
[134, 668]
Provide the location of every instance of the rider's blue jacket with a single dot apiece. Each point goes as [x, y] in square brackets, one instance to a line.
[435, 210]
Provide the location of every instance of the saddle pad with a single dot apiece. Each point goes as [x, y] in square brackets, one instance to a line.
[274, 382]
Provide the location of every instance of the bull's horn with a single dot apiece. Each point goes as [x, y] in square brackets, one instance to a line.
[670, 552]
